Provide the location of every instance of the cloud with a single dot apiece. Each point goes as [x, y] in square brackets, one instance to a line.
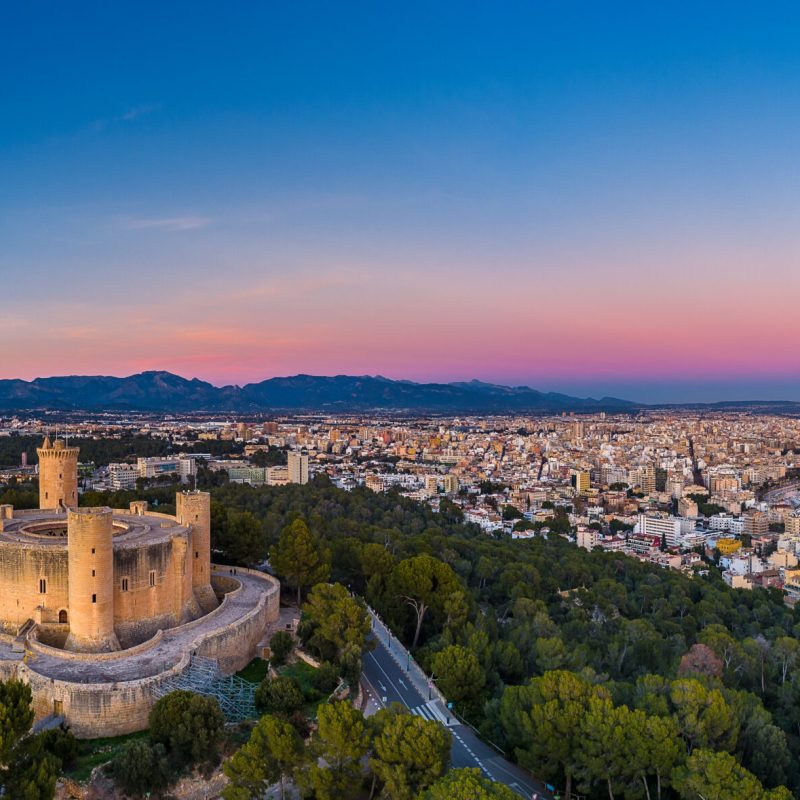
[187, 223]
[136, 112]
[131, 114]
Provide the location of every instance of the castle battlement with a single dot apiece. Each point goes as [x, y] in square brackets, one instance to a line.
[115, 595]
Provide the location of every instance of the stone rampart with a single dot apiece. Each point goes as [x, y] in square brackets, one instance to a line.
[228, 634]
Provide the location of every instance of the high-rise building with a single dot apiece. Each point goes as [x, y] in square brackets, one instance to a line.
[451, 484]
[675, 484]
[644, 477]
[792, 523]
[581, 481]
[755, 523]
[298, 467]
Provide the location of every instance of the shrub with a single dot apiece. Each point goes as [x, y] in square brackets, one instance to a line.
[141, 767]
[280, 644]
[189, 726]
[279, 696]
[326, 678]
[62, 744]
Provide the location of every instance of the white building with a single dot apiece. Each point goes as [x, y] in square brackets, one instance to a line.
[670, 529]
[184, 466]
[724, 522]
[588, 538]
[122, 476]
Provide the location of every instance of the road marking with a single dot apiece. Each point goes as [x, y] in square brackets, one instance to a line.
[424, 712]
[391, 682]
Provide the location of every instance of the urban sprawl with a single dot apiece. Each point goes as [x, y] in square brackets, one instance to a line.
[683, 490]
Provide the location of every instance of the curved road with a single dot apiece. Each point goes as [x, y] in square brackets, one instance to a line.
[388, 678]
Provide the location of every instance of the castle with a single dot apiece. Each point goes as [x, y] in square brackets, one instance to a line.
[99, 580]
[99, 607]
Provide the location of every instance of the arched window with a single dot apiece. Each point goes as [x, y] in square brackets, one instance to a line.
[42, 586]
[62, 615]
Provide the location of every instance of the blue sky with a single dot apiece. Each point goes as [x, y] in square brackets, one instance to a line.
[573, 196]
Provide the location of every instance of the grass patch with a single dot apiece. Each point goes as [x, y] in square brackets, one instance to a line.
[303, 673]
[93, 752]
[255, 671]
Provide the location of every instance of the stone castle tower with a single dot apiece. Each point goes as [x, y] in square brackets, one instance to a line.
[194, 509]
[111, 591]
[58, 475]
[91, 574]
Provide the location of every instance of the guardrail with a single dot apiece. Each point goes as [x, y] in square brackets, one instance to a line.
[422, 681]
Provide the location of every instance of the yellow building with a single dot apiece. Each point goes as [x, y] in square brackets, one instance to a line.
[728, 546]
[581, 480]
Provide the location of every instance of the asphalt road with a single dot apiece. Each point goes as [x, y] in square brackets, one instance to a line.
[386, 681]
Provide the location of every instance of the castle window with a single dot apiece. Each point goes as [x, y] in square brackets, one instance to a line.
[46, 495]
[93, 573]
[94, 598]
[196, 554]
[42, 586]
[152, 577]
[93, 551]
[124, 584]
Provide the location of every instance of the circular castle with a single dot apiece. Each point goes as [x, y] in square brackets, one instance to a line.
[102, 611]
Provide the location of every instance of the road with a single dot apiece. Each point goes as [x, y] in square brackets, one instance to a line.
[389, 678]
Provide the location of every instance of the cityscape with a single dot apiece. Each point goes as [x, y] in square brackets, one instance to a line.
[399, 402]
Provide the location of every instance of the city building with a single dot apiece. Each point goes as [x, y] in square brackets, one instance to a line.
[183, 466]
[671, 530]
[122, 476]
[298, 467]
[755, 523]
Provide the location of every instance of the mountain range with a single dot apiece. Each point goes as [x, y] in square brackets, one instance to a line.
[165, 392]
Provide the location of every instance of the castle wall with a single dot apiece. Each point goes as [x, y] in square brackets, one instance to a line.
[114, 709]
[153, 591]
[235, 646]
[149, 589]
[22, 567]
[97, 709]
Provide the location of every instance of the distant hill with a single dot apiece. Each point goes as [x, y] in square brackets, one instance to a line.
[165, 392]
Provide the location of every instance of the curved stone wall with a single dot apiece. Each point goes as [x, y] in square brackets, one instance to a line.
[93, 708]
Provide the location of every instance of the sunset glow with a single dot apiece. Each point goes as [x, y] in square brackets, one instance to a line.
[412, 216]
